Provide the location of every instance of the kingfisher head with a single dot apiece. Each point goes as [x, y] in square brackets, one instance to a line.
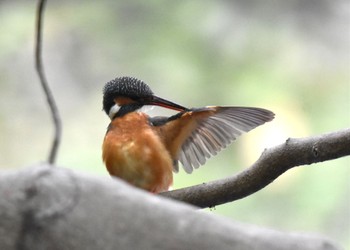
[127, 94]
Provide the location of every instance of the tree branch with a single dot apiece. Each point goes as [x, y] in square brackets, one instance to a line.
[56, 208]
[272, 163]
[40, 70]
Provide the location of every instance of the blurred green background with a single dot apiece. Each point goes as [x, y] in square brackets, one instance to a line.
[292, 57]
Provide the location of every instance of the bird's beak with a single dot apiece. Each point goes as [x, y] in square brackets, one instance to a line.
[166, 104]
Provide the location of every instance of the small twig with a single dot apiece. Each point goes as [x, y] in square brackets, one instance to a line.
[40, 70]
[272, 163]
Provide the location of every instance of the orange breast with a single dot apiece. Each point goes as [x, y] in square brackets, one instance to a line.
[134, 152]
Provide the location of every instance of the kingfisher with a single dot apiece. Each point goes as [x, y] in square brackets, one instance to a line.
[145, 151]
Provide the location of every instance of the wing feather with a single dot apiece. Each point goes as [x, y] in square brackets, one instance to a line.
[218, 130]
[195, 135]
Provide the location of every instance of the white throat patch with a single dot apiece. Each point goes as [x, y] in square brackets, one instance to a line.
[146, 109]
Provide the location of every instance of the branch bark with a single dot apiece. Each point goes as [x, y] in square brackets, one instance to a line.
[56, 208]
[272, 163]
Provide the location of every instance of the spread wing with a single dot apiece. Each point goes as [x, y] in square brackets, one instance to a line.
[194, 136]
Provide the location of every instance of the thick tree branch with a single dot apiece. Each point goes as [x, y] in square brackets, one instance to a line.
[40, 70]
[56, 208]
[272, 163]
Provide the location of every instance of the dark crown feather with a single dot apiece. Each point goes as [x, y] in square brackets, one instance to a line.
[124, 86]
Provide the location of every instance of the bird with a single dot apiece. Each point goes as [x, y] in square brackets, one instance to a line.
[144, 151]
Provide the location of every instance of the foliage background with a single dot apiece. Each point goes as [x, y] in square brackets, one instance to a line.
[292, 57]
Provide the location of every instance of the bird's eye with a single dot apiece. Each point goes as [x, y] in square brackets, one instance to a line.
[114, 109]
